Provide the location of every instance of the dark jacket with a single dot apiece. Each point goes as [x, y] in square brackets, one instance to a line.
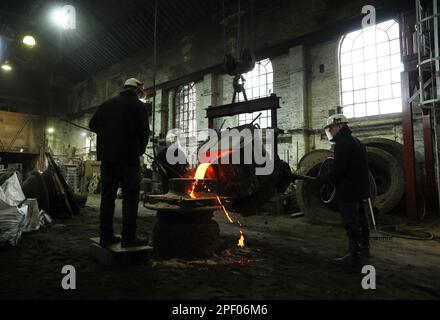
[349, 173]
[121, 124]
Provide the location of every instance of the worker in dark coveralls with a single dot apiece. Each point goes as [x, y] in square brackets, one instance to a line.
[121, 125]
[349, 175]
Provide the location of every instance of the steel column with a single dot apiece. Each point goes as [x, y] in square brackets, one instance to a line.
[408, 145]
[429, 157]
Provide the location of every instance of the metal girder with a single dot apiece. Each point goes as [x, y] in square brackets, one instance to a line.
[269, 103]
[408, 144]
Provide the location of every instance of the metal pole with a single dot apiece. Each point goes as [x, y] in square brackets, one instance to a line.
[153, 107]
[372, 213]
[419, 32]
[437, 96]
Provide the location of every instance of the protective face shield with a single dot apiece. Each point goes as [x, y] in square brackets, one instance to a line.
[329, 135]
[143, 97]
[336, 119]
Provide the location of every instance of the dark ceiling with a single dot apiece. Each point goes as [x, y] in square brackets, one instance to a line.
[106, 32]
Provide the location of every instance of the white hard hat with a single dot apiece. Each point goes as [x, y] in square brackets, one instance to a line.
[132, 82]
[337, 118]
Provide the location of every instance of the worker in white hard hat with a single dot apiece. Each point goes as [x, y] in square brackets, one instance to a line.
[350, 177]
[121, 125]
[136, 86]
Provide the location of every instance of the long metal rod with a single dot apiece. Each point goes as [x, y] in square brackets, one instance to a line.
[437, 80]
[153, 108]
[419, 49]
[370, 207]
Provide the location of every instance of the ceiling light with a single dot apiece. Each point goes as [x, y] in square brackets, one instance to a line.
[29, 41]
[6, 67]
[64, 17]
[50, 130]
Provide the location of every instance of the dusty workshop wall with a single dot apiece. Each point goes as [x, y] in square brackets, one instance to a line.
[202, 47]
[68, 140]
[307, 95]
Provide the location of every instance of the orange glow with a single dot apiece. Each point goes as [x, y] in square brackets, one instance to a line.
[241, 240]
[224, 210]
[201, 170]
[200, 174]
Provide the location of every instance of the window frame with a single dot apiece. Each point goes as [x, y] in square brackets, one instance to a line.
[377, 86]
[187, 124]
[267, 84]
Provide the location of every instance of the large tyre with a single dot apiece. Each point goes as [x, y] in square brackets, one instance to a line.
[397, 151]
[308, 194]
[389, 177]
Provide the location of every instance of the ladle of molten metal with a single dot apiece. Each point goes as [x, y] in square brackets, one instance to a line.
[199, 175]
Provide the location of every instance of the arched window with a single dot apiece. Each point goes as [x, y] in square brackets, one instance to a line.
[370, 67]
[259, 84]
[185, 109]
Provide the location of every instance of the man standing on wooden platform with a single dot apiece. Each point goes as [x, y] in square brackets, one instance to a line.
[121, 125]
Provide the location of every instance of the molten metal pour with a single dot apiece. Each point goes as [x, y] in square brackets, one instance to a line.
[200, 174]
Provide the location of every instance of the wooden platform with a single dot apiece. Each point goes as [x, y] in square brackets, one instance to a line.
[117, 254]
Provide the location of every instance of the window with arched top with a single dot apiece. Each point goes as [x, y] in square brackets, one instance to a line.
[185, 109]
[259, 84]
[370, 67]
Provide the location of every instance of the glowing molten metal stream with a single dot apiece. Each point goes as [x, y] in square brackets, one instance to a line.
[200, 174]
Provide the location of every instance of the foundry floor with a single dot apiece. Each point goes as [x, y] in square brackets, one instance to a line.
[284, 258]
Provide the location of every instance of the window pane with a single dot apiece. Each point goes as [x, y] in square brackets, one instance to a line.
[395, 75]
[263, 122]
[395, 46]
[384, 77]
[397, 91]
[372, 94]
[383, 63]
[360, 110]
[370, 66]
[358, 83]
[348, 111]
[369, 37]
[357, 55]
[358, 69]
[347, 84]
[381, 36]
[371, 80]
[383, 49]
[347, 98]
[372, 108]
[395, 61]
[393, 31]
[370, 52]
[390, 106]
[346, 45]
[346, 72]
[385, 92]
[358, 43]
[359, 96]
[345, 58]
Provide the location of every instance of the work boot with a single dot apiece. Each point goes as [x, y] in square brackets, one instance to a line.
[135, 242]
[364, 250]
[107, 242]
[353, 257]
